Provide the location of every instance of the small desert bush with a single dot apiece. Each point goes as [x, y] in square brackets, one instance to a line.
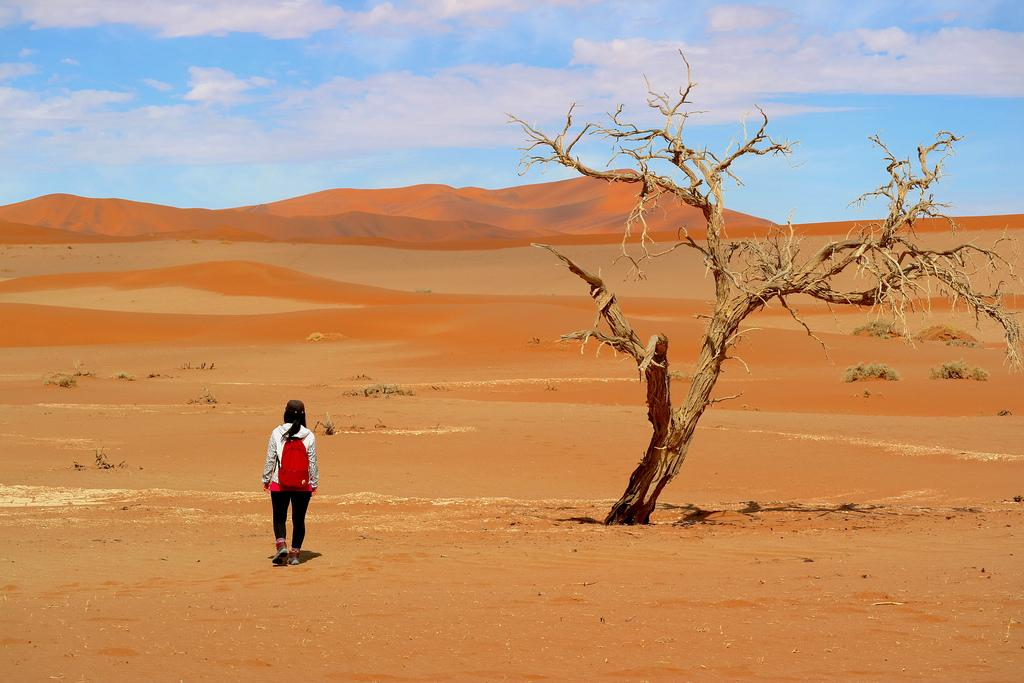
[883, 329]
[958, 369]
[125, 376]
[866, 371]
[949, 335]
[81, 371]
[61, 379]
[205, 397]
[328, 424]
[324, 336]
[380, 390]
[101, 463]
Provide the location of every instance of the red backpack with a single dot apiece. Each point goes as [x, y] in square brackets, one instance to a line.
[293, 474]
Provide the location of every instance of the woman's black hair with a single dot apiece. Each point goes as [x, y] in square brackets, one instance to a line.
[295, 413]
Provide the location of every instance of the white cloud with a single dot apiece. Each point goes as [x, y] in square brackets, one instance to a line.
[951, 61]
[70, 61]
[271, 18]
[213, 85]
[11, 70]
[893, 40]
[157, 85]
[26, 52]
[723, 18]
[176, 18]
[465, 106]
[434, 15]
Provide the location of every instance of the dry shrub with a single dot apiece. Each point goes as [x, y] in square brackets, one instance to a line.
[101, 462]
[959, 369]
[61, 379]
[324, 336]
[205, 397]
[869, 371]
[376, 390]
[125, 376]
[883, 329]
[81, 371]
[949, 335]
[328, 424]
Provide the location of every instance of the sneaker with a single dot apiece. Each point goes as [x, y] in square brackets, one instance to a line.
[280, 556]
[293, 556]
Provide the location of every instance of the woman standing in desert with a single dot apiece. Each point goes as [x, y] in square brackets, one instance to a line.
[290, 476]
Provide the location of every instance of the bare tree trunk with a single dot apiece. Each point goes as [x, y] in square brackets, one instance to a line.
[673, 430]
[633, 508]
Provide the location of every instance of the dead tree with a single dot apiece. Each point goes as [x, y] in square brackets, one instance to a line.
[891, 267]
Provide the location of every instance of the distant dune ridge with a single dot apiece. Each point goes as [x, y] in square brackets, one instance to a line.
[417, 214]
[580, 209]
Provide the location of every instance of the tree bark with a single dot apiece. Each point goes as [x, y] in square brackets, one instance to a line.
[674, 429]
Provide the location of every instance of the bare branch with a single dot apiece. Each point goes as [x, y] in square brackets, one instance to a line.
[622, 336]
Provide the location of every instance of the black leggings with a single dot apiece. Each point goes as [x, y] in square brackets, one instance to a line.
[299, 501]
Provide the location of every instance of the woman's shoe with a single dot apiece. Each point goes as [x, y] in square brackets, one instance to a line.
[280, 556]
[293, 556]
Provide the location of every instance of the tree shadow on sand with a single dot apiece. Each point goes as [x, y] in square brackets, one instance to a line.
[693, 514]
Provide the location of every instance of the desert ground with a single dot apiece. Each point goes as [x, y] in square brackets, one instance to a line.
[819, 530]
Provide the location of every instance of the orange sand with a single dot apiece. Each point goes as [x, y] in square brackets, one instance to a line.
[818, 530]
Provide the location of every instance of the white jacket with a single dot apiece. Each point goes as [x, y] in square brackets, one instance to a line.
[276, 446]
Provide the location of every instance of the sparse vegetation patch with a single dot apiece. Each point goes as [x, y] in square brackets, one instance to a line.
[376, 390]
[328, 424]
[61, 379]
[100, 462]
[200, 366]
[205, 397]
[959, 370]
[324, 336]
[81, 371]
[883, 329]
[869, 371]
[125, 376]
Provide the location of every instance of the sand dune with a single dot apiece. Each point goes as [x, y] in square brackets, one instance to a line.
[577, 211]
[576, 206]
[418, 214]
[22, 233]
[127, 219]
[236, 278]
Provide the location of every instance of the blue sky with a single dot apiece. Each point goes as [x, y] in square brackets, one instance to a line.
[219, 103]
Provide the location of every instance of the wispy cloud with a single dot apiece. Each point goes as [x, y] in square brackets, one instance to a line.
[213, 85]
[12, 70]
[270, 18]
[178, 18]
[723, 18]
[950, 61]
[157, 85]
